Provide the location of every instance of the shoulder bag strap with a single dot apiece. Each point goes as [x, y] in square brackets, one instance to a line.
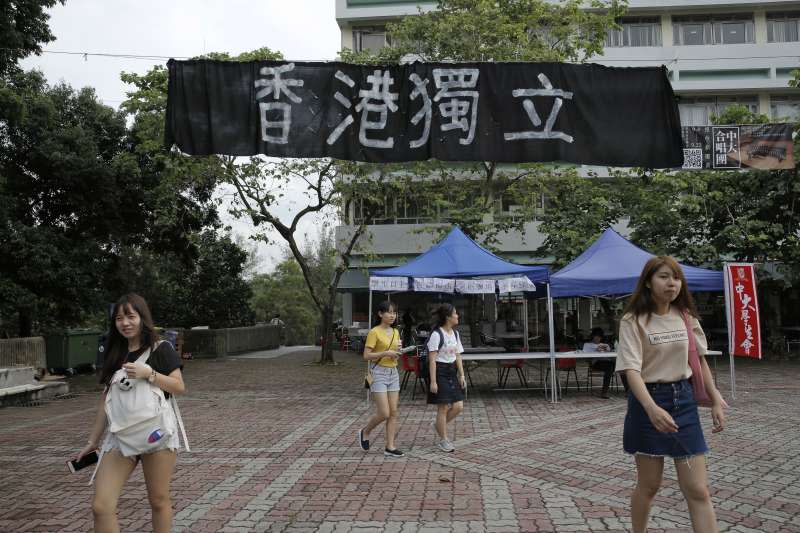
[146, 354]
[440, 332]
[177, 410]
[391, 341]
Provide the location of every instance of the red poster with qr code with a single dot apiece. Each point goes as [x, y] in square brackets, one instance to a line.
[741, 305]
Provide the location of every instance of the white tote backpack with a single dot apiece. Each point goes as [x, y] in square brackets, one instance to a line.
[139, 416]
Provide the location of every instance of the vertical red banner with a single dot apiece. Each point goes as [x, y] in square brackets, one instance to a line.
[741, 303]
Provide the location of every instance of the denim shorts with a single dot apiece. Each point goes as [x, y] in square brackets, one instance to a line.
[448, 385]
[384, 379]
[677, 399]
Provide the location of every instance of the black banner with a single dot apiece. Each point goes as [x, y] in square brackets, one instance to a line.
[762, 146]
[504, 112]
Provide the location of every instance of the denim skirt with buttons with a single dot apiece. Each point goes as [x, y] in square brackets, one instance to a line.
[448, 385]
[677, 399]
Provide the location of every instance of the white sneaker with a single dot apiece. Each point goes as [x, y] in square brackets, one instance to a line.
[446, 446]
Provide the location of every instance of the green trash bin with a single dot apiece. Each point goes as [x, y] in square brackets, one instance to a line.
[71, 350]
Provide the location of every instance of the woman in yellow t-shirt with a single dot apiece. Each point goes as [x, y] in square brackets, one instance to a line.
[381, 351]
[662, 419]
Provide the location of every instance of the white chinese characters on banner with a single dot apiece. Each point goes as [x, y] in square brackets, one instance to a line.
[273, 83]
[475, 286]
[378, 99]
[388, 284]
[426, 111]
[530, 109]
[458, 99]
[434, 285]
[456, 96]
[518, 284]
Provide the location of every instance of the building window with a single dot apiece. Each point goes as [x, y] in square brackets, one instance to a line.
[635, 32]
[391, 210]
[697, 111]
[785, 108]
[372, 39]
[724, 102]
[722, 29]
[783, 27]
[373, 211]
[414, 210]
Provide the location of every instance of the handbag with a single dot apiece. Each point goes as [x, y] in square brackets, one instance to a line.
[698, 384]
[368, 377]
[138, 414]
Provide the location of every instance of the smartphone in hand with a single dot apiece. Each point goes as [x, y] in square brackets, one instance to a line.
[87, 460]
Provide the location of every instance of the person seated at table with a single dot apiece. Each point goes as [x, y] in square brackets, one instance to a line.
[604, 365]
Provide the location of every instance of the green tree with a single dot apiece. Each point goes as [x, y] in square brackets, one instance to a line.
[710, 217]
[259, 184]
[504, 30]
[285, 291]
[80, 194]
[490, 30]
[23, 29]
[578, 210]
[260, 187]
[211, 291]
[181, 202]
[739, 114]
[70, 197]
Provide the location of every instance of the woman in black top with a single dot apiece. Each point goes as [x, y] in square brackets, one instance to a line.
[132, 334]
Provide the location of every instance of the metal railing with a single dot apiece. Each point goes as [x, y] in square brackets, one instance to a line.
[23, 351]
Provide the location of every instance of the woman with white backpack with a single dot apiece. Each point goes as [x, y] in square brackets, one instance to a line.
[141, 374]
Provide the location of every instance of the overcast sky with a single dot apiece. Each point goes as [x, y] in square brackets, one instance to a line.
[301, 30]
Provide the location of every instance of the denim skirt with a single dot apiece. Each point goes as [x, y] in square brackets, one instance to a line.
[449, 388]
[677, 399]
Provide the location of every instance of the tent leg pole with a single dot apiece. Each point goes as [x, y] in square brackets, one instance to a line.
[525, 323]
[728, 321]
[369, 324]
[551, 324]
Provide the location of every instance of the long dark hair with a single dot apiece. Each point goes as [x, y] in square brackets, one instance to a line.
[117, 346]
[441, 314]
[384, 307]
[642, 303]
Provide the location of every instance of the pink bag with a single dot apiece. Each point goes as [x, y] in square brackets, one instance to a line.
[699, 386]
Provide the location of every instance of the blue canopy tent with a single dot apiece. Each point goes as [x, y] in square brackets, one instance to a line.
[459, 257]
[612, 266]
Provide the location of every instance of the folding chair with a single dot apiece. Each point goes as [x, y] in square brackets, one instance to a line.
[410, 364]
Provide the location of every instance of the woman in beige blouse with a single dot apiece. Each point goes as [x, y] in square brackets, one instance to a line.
[662, 418]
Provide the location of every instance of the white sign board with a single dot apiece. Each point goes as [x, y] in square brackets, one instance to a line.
[434, 285]
[388, 284]
[475, 286]
[519, 284]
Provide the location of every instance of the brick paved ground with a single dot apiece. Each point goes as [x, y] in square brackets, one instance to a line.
[274, 450]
